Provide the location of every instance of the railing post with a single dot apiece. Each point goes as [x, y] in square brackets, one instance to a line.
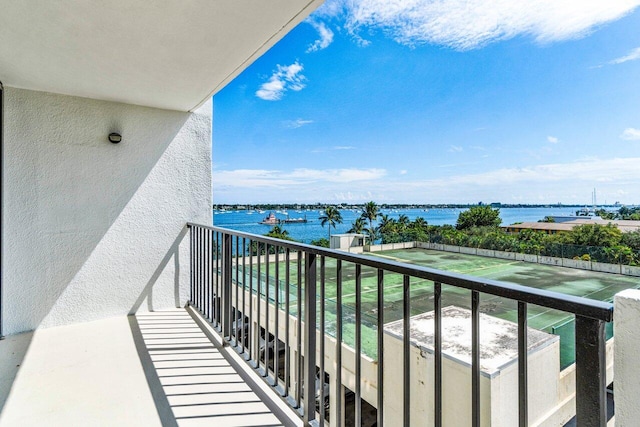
[226, 285]
[591, 405]
[309, 401]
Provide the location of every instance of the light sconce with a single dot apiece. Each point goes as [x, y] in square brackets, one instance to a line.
[115, 138]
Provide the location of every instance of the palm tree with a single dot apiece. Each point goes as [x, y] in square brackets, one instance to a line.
[332, 217]
[387, 224]
[403, 221]
[370, 212]
[419, 222]
[357, 226]
[278, 232]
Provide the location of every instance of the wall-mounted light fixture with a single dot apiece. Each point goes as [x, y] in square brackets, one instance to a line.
[115, 138]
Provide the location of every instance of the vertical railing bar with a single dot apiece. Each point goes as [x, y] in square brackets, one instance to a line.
[475, 358]
[287, 303]
[226, 282]
[358, 345]
[211, 273]
[203, 295]
[251, 328]
[244, 291]
[203, 260]
[380, 416]
[276, 303]
[322, 327]
[299, 334]
[236, 320]
[217, 300]
[258, 304]
[200, 270]
[267, 335]
[191, 265]
[338, 381]
[406, 349]
[207, 272]
[591, 404]
[309, 405]
[437, 297]
[196, 274]
[523, 413]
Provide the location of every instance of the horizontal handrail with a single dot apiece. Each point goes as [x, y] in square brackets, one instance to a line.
[598, 310]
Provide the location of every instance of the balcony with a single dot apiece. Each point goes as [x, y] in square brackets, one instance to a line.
[260, 325]
[117, 313]
[258, 306]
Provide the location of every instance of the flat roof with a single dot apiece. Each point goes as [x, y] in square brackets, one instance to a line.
[498, 338]
[624, 225]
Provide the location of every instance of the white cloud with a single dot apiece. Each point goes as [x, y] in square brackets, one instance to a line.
[403, 172]
[553, 139]
[298, 123]
[631, 56]
[326, 36]
[615, 179]
[631, 134]
[468, 24]
[286, 77]
[455, 149]
[260, 178]
[343, 147]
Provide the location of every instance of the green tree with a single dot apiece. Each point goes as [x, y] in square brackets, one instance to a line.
[323, 243]
[370, 212]
[357, 226]
[403, 222]
[478, 216]
[595, 235]
[605, 215]
[386, 224]
[419, 222]
[331, 216]
[276, 232]
[632, 239]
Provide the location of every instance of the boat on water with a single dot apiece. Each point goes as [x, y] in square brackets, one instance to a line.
[271, 219]
[300, 220]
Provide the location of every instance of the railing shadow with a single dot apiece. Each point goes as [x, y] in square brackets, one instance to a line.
[190, 380]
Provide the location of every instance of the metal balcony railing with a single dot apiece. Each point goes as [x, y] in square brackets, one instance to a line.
[239, 280]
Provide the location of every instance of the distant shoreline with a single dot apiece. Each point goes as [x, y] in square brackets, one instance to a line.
[315, 206]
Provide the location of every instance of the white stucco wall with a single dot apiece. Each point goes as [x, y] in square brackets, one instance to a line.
[627, 347]
[92, 229]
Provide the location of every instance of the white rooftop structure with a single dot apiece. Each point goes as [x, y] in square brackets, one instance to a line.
[498, 337]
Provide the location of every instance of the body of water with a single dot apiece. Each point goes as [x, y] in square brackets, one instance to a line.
[248, 220]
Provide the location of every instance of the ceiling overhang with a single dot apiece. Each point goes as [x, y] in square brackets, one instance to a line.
[164, 54]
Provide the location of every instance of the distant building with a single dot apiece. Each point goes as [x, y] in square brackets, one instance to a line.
[346, 241]
[564, 225]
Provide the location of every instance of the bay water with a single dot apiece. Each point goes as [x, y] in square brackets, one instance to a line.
[248, 221]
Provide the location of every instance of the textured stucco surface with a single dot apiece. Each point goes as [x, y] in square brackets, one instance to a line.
[625, 357]
[92, 229]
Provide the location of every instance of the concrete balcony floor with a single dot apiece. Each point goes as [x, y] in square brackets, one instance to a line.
[152, 369]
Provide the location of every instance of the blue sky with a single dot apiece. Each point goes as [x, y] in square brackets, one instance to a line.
[438, 101]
